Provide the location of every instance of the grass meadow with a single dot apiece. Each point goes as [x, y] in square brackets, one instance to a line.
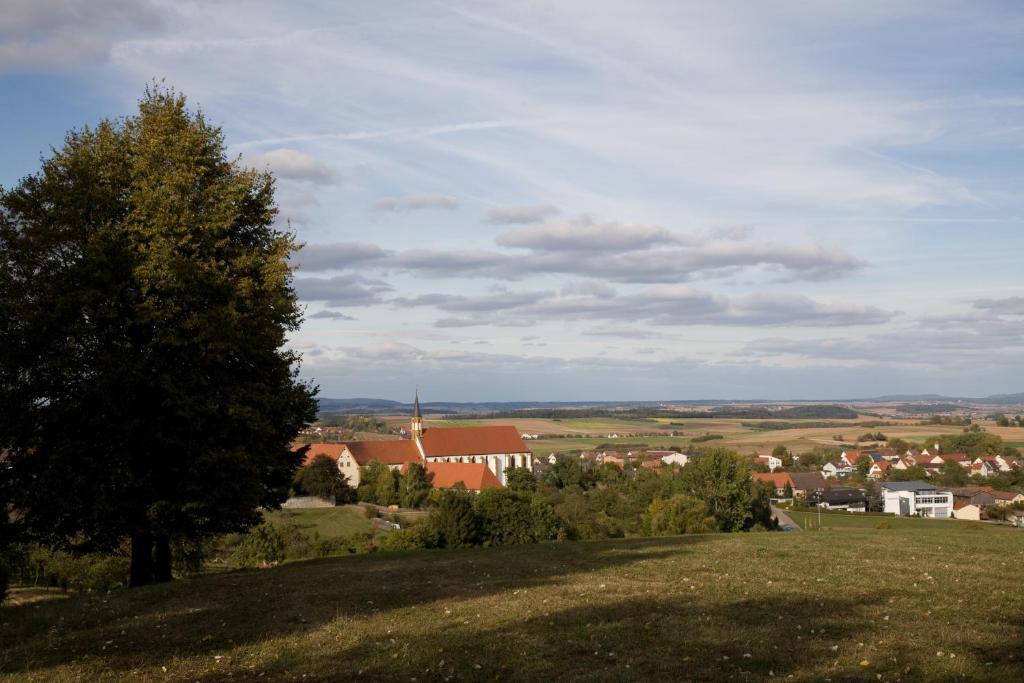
[941, 602]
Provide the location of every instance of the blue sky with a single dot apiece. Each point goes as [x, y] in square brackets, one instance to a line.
[595, 200]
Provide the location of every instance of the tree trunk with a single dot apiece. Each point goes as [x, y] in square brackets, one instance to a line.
[141, 572]
[162, 559]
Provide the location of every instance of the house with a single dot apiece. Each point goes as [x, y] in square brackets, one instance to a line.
[770, 461]
[961, 459]
[905, 498]
[673, 458]
[971, 512]
[1007, 464]
[980, 496]
[980, 469]
[778, 481]
[802, 483]
[840, 498]
[851, 457]
[986, 495]
[836, 470]
[878, 469]
[499, 447]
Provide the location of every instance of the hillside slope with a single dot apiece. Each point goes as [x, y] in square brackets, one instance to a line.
[929, 604]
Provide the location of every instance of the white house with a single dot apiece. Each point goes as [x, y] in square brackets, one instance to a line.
[905, 498]
[773, 462]
[672, 458]
[836, 470]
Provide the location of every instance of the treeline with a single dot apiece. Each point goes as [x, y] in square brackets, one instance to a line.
[778, 425]
[796, 412]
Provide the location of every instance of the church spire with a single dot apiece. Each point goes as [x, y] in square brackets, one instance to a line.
[417, 417]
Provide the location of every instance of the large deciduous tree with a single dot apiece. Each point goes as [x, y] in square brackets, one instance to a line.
[146, 392]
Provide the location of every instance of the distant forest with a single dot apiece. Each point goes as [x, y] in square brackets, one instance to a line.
[830, 412]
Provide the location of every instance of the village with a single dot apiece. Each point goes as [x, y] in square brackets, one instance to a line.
[879, 479]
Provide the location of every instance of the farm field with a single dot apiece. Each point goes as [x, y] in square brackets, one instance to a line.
[590, 433]
[856, 605]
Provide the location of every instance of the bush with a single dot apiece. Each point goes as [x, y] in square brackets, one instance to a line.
[93, 571]
[706, 437]
[413, 538]
[680, 514]
[262, 546]
[454, 521]
[4, 577]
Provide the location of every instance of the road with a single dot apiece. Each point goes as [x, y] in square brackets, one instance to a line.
[786, 522]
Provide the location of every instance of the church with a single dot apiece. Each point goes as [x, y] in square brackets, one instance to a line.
[496, 448]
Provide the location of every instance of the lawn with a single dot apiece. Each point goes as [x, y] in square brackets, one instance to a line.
[892, 604]
[845, 521]
[324, 523]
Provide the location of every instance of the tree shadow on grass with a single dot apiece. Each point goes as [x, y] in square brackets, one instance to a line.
[141, 628]
[677, 638]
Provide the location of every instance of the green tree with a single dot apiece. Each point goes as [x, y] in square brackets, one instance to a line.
[761, 508]
[788, 491]
[953, 474]
[512, 517]
[453, 522]
[568, 472]
[520, 479]
[973, 443]
[323, 479]
[721, 479]
[413, 487]
[680, 514]
[385, 491]
[912, 473]
[145, 300]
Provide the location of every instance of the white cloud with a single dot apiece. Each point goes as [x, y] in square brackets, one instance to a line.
[292, 164]
[416, 202]
[531, 213]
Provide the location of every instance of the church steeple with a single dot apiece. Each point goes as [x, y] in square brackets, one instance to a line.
[417, 417]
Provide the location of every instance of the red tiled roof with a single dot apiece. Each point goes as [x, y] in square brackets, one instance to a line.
[778, 479]
[389, 452]
[474, 475]
[441, 441]
[331, 450]
[954, 457]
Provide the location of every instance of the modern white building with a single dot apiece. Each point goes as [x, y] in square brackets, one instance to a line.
[907, 498]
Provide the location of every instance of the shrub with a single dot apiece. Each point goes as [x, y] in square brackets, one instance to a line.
[414, 538]
[454, 521]
[4, 576]
[680, 514]
[262, 546]
[93, 571]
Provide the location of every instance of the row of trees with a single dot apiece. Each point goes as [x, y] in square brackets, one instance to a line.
[381, 485]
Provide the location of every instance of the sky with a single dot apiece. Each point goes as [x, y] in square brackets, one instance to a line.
[597, 200]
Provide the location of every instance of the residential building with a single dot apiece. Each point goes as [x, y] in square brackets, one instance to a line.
[802, 483]
[770, 461]
[474, 476]
[836, 470]
[878, 469]
[673, 458]
[906, 498]
[840, 498]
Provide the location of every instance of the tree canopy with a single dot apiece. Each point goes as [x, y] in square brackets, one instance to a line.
[145, 301]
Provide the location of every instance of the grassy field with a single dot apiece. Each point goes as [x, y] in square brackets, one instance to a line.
[846, 521]
[324, 523]
[856, 605]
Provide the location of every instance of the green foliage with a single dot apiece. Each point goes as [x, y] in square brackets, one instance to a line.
[872, 436]
[680, 514]
[323, 479]
[974, 444]
[508, 517]
[706, 437]
[609, 473]
[43, 566]
[263, 546]
[568, 472]
[377, 484]
[952, 474]
[780, 451]
[414, 538]
[454, 520]
[721, 479]
[413, 487]
[761, 509]
[913, 473]
[520, 479]
[145, 302]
